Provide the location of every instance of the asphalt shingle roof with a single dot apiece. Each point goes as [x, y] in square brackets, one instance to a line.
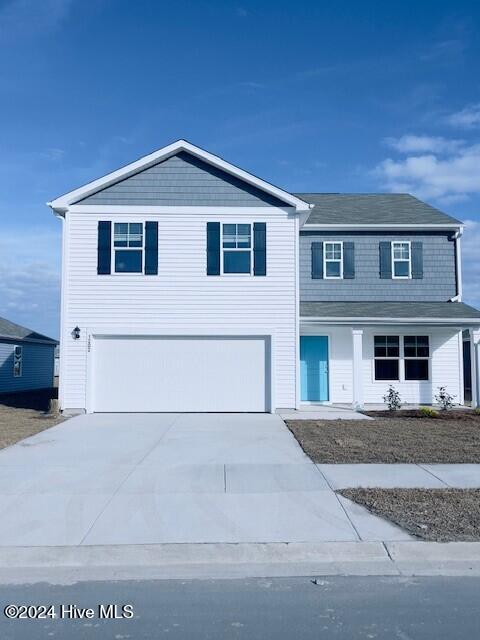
[396, 310]
[14, 331]
[372, 208]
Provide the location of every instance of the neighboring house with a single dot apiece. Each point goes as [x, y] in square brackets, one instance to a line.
[26, 358]
[191, 285]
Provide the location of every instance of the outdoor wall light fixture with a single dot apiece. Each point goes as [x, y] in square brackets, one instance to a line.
[76, 333]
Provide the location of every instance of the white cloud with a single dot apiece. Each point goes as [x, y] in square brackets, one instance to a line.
[446, 179]
[410, 143]
[471, 262]
[30, 279]
[467, 118]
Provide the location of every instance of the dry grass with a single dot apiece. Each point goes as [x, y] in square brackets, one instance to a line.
[441, 515]
[24, 414]
[452, 438]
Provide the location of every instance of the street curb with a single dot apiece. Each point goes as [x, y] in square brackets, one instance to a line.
[245, 560]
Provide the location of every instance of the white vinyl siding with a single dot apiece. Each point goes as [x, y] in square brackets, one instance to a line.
[445, 364]
[181, 296]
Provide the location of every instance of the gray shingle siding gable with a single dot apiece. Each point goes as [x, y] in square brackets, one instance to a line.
[186, 181]
[372, 208]
[437, 285]
[37, 366]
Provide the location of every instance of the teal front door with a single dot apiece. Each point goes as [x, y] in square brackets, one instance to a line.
[314, 368]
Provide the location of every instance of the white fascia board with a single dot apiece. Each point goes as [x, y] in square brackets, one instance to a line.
[379, 227]
[153, 210]
[62, 203]
[471, 322]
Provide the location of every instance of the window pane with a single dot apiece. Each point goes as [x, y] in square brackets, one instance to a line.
[135, 234]
[386, 369]
[120, 234]
[401, 251]
[416, 369]
[333, 251]
[401, 269]
[243, 236]
[387, 346]
[128, 261]
[229, 236]
[332, 269]
[236, 262]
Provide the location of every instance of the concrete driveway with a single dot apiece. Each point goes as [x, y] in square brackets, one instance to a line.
[107, 479]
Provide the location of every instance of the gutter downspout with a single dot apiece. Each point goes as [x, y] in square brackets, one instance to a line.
[458, 265]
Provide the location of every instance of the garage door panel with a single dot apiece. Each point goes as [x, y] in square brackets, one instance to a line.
[187, 373]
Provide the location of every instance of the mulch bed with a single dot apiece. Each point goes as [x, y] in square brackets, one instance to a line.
[440, 515]
[24, 414]
[452, 437]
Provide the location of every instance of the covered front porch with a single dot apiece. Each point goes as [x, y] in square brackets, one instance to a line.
[350, 353]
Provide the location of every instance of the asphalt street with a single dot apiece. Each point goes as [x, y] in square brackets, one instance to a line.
[282, 608]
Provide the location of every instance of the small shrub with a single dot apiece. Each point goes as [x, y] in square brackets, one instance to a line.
[392, 399]
[477, 411]
[444, 399]
[427, 412]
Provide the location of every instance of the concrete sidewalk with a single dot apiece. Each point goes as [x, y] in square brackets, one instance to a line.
[387, 476]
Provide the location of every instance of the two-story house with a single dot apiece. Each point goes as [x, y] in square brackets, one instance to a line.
[191, 285]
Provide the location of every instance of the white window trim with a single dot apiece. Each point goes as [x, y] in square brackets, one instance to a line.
[399, 358]
[402, 358]
[340, 277]
[392, 247]
[222, 273]
[114, 249]
[428, 358]
[20, 374]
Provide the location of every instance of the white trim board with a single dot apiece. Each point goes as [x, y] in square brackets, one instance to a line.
[380, 227]
[450, 322]
[62, 203]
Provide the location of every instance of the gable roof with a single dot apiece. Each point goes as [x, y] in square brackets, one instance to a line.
[62, 203]
[373, 209]
[11, 331]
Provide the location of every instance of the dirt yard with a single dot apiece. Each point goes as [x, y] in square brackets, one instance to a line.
[451, 437]
[441, 515]
[24, 414]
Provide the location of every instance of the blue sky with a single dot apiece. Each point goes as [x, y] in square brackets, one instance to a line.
[314, 96]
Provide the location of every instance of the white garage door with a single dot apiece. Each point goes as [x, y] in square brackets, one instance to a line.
[180, 373]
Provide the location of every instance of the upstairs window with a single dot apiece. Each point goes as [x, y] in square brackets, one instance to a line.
[128, 247]
[237, 248]
[387, 357]
[333, 259]
[416, 352]
[401, 260]
[17, 361]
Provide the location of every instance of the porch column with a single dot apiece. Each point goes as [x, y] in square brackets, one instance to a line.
[475, 364]
[357, 363]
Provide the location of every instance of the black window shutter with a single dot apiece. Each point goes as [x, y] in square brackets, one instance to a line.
[417, 260]
[317, 260]
[385, 260]
[213, 248]
[349, 260]
[259, 249]
[151, 248]
[104, 247]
